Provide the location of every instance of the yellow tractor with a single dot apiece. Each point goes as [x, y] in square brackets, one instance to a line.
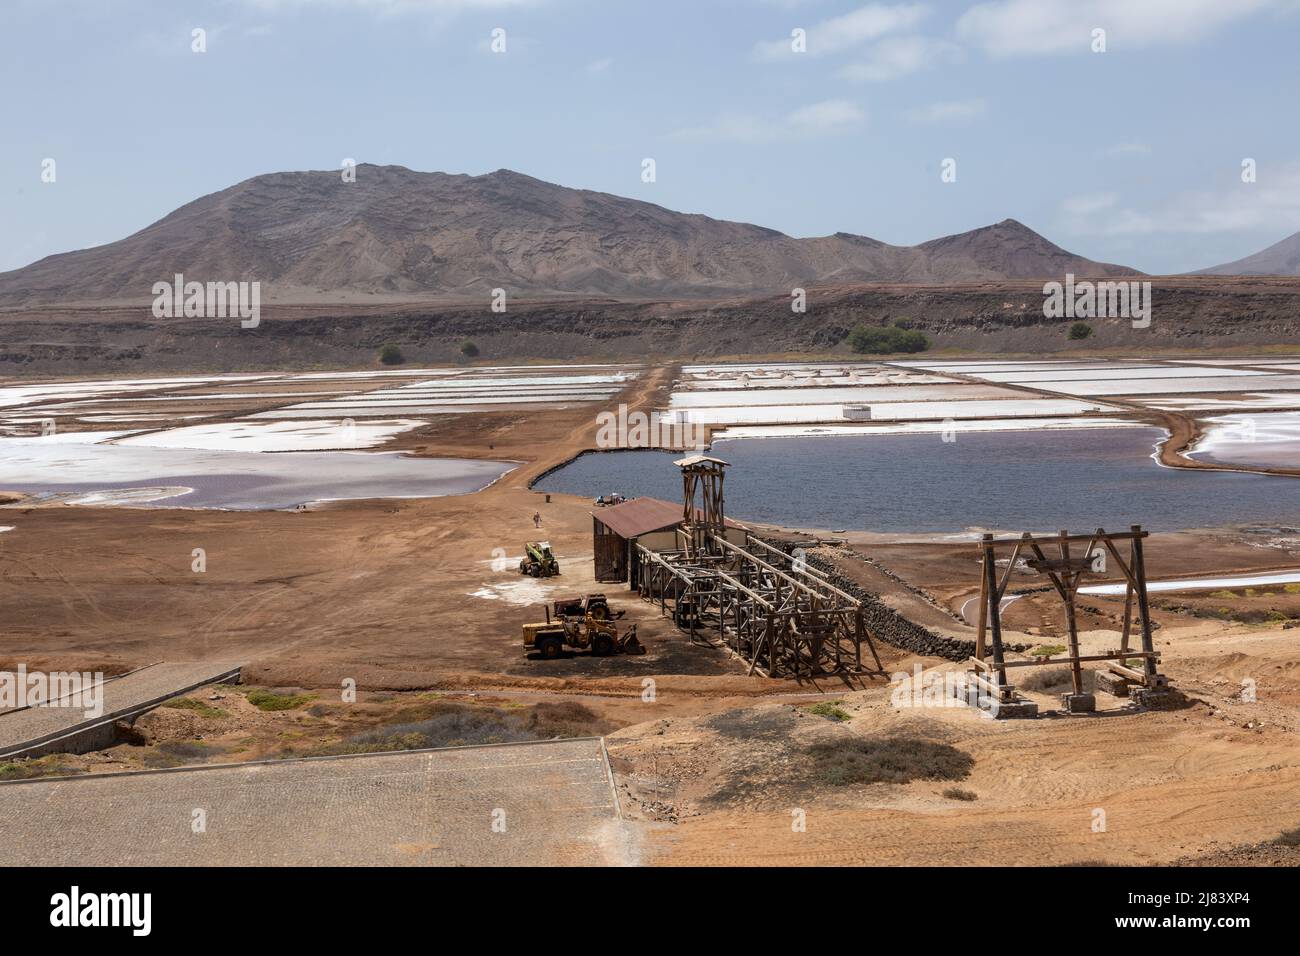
[590, 630]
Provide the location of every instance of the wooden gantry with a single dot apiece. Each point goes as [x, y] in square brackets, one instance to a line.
[785, 618]
[1075, 555]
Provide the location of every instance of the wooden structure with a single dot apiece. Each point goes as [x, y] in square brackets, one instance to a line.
[1075, 556]
[785, 618]
[700, 524]
[615, 530]
[618, 531]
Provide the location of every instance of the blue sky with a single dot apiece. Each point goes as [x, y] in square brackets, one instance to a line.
[1131, 155]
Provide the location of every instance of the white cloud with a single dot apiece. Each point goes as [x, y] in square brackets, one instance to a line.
[1271, 203]
[953, 111]
[827, 116]
[841, 33]
[899, 56]
[1089, 204]
[1033, 27]
[1129, 149]
[817, 119]
[600, 66]
[396, 6]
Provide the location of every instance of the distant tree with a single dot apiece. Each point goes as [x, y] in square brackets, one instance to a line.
[884, 339]
[1080, 331]
[390, 354]
[468, 349]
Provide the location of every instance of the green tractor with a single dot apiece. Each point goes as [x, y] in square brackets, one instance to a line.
[538, 561]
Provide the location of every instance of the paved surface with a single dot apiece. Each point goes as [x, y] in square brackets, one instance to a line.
[21, 729]
[430, 807]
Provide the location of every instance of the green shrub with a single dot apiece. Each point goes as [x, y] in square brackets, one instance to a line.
[26, 768]
[891, 760]
[957, 793]
[830, 709]
[177, 753]
[200, 708]
[468, 349]
[264, 699]
[884, 339]
[391, 355]
[1048, 650]
[1080, 331]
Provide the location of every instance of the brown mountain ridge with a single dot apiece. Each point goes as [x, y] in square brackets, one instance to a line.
[309, 236]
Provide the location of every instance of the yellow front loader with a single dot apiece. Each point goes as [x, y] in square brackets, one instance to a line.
[590, 633]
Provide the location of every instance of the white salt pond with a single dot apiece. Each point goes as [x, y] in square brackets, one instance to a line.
[1267, 440]
[121, 474]
[919, 428]
[1201, 584]
[886, 411]
[1172, 386]
[839, 393]
[278, 436]
[1139, 372]
[1243, 400]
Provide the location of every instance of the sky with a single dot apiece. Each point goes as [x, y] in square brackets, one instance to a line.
[1134, 145]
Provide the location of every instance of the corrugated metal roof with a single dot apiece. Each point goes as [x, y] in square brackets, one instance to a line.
[697, 460]
[643, 515]
[639, 516]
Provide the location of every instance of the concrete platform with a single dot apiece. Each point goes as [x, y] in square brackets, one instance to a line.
[544, 803]
[33, 731]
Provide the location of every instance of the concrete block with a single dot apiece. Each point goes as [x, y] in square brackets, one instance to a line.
[1079, 703]
[1018, 709]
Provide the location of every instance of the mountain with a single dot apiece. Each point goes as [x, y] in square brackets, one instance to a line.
[310, 236]
[1280, 259]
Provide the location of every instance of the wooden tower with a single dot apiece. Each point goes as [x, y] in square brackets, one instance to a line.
[701, 477]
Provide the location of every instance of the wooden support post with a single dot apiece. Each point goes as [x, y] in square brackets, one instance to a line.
[1071, 619]
[984, 605]
[1140, 572]
[995, 612]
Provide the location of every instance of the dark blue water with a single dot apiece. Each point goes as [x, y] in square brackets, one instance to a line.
[1033, 480]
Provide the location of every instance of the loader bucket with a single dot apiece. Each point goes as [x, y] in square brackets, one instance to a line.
[630, 643]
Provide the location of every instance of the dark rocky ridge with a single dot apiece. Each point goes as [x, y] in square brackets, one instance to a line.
[1005, 318]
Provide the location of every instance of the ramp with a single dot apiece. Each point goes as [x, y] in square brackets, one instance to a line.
[543, 803]
[50, 728]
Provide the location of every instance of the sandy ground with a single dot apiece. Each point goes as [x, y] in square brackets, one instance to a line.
[418, 595]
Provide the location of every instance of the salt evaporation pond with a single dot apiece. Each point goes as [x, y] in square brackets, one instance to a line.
[232, 480]
[1039, 480]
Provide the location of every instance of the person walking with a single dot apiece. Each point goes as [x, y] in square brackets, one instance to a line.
[537, 519]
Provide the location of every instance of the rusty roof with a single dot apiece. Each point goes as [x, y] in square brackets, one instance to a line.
[639, 516]
[643, 515]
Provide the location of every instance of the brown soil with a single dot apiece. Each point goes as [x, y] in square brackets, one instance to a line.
[401, 596]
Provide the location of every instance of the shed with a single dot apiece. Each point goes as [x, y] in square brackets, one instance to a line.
[649, 522]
